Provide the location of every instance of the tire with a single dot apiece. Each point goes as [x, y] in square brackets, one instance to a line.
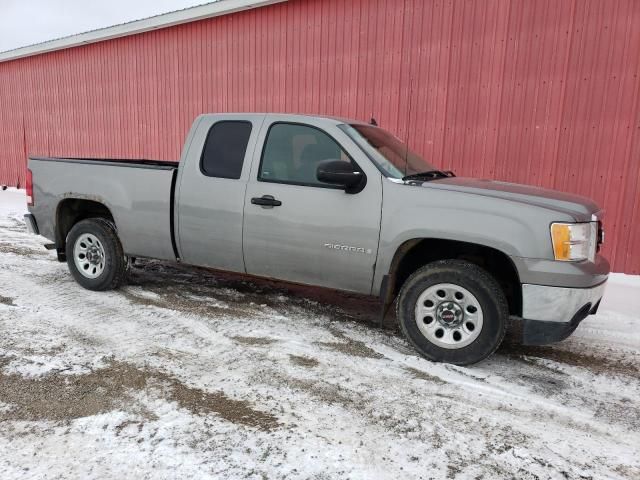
[430, 321]
[101, 245]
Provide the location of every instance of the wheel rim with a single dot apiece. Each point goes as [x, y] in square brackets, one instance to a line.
[449, 315]
[89, 256]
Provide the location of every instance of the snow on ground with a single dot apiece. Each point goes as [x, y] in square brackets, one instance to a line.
[185, 373]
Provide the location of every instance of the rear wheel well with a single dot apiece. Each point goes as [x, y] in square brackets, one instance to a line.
[413, 254]
[71, 211]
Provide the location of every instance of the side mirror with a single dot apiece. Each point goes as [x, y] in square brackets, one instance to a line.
[339, 172]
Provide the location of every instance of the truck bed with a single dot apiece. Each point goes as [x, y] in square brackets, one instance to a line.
[138, 193]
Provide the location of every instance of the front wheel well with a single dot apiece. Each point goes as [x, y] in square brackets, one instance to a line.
[416, 253]
[72, 210]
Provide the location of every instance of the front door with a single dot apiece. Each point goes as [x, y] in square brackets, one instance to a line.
[299, 229]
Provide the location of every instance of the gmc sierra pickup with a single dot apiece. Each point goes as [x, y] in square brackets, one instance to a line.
[340, 204]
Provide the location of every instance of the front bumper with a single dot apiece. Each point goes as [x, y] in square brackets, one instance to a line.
[537, 271]
[32, 225]
[551, 314]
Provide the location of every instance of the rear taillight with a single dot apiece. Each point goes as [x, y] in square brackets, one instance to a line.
[29, 187]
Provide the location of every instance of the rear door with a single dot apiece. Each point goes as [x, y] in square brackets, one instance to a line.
[211, 190]
[312, 233]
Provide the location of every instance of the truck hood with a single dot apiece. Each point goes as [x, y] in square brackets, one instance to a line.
[580, 208]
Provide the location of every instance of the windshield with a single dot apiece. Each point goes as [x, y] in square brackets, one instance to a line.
[391, 155]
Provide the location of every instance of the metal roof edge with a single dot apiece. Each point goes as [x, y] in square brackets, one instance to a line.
[188, 15]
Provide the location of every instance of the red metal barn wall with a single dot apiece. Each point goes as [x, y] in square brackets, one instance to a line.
[543, 92]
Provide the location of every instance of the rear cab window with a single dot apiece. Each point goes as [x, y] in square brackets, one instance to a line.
[224, 149]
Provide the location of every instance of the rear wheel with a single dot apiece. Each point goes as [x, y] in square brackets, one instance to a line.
[95, 256]
[453, 311]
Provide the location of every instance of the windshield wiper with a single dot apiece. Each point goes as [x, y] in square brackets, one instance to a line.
[429, 175]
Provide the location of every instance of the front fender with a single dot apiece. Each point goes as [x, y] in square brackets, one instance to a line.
[414, 212]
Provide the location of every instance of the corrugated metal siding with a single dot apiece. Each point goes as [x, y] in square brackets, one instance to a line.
[543, 92]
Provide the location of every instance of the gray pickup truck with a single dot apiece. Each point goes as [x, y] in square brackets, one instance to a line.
[341, 204]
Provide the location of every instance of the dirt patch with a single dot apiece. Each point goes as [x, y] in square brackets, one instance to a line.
[325, 392]
[83, 338]
[43, 350]
[236, 411]
[127, 423]
[256, 341]
[535, 363]
[544, 383]
[19, 250]
[352, 347]
[178, 299]
[302, 361]
[419, 374]
[143, 300]
[626, 471]
[170, 354]
[4, 361]
[465, 372]
[57, 397]
[60, 397]
[623, 413]
[597, 365]
[7, 301]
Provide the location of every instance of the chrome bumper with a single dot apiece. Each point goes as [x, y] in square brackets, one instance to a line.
[558, 304]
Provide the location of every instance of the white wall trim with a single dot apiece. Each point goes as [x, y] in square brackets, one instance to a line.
[193, 14]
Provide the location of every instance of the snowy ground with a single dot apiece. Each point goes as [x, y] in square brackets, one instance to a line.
[189, 374]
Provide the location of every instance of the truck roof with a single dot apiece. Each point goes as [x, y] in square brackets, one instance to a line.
[293, 116]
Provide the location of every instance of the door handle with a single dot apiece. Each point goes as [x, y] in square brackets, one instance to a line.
[266, 201]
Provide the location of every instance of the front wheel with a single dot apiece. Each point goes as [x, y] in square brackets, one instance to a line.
[453, 311]
[95, 256]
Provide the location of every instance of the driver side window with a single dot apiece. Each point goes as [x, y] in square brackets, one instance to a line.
[292, 153]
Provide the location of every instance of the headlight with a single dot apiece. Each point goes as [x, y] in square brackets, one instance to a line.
[573, 242]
